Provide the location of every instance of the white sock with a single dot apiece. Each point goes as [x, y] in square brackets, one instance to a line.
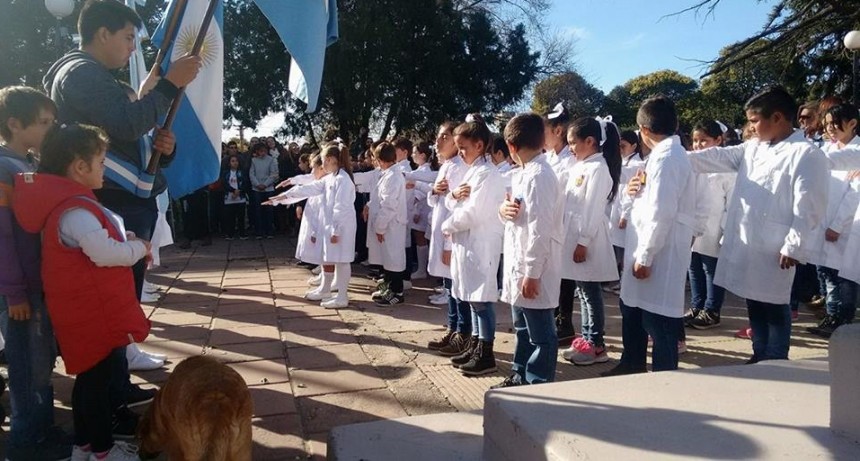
[423, 257]
[343, 272]
[325, 286]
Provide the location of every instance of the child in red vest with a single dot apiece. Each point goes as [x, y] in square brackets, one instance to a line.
[86, 268]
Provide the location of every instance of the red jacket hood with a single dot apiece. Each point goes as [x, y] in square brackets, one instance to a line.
[38, 194]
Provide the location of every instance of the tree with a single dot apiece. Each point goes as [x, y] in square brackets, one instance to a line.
[580, 97]
[623, 102]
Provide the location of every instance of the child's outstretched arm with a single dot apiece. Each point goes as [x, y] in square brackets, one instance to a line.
[845, 159]
[81, 229]
[718, 159]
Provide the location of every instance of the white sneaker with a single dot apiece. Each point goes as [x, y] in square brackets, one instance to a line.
[138, 361]
[440, 289]
[315, 280]
[121, 451]
[316, 270]
[335, 303]
[407, 285]
[150, 287]
[149, 297]
[439, 299]
[79, 454]
[153, 355]
[317, 295]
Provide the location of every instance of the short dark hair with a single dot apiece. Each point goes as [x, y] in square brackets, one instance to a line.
[844, 113]
[65, 143]
[22, 103]
[403, 144]
[526, 131]
[385, 152]
[771, 100]
[258, 147]
[658, 114]
[109, 14]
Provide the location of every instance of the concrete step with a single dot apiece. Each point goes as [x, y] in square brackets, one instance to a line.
[443, 436]
[772, 410]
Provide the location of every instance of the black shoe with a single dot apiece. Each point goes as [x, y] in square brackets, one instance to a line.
[690, 315]
[826, 327]
[391, 299]
[437, 344]
[513, 380]
[459, 343]
[622, 369]
[705, 320]
[463, 358]
[482, 362]
[139, 396]
[3, 360]
[42, 451]
[124, 424]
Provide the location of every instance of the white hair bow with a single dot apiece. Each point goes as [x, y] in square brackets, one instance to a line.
[603, 121]
[556, 111]
[470, 119]
[723, 127]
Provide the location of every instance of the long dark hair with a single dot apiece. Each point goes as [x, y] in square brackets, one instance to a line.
[584, 127]
[475, 129]
[424, 148]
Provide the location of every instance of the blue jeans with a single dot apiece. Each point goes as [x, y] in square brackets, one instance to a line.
[537, 344]
[703, 293]
[593, 316]
[841, 294]
[264, 217]
[771, 330]
[459, 312]
[484, 316]
[31, 351]
[636, 325]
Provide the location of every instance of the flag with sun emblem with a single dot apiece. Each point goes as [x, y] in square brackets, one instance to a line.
[198, 122]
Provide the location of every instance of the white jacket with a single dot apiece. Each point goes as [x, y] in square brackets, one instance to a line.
[585, 222]
[715, 191]
[390, 220]
[660, 231]
[533, 240]
[560, 161]
[452, 170]
[418, 211]
[777, 208]
[476, 234]
[338, 194]
[620, 207]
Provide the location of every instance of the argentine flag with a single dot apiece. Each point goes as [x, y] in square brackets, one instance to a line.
[199, 120]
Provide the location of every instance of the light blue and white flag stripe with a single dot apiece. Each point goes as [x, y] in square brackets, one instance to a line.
[198, 122]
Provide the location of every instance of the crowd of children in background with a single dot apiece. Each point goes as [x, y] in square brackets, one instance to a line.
[551, 210]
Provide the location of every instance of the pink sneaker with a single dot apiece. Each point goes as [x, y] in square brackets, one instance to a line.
[585, 353]
[744, 333]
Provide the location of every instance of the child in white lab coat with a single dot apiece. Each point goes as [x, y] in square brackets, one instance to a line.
[706, 298]
[457, 339]
[419, 183]
[338, 226]
[555, 133]
[533, 237]
[619, 213]
[403, 148]
[777, 209]
[390, 226]
[476, 233]
[587, 257]
[657, 253]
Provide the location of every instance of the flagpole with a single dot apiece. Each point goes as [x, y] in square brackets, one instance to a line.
[152, 168]
[169, 34]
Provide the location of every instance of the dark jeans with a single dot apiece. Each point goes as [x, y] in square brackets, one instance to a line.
[593, 315]
[234, 220]
[484, 318]
[771, 330]
[703, 293]
[91, 403]
[195, 218]
[841, 294]
[636, 325]
[459, 312]
[566, 297]
[804, 286]
[537, 345]
[411, 258]
[30, 352]
[264, 217]
[395, 281]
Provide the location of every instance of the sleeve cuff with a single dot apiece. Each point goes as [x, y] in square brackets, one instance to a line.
[166, 88]
[16, 298]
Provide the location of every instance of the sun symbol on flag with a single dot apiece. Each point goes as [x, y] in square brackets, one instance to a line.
[185, 44]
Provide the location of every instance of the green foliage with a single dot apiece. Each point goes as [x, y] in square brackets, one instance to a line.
[580, 97]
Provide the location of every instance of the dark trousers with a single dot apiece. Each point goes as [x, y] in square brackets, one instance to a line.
[196, 215]
[636, 325]
[411, 258]
[771, 330]
[234, 220]
[91, 403]
[566, 297]
[395, 281]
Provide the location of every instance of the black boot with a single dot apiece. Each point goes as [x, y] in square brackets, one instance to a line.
[437, 344]
[825, 328]
[462, 359]
[483, 361]
[458, 344]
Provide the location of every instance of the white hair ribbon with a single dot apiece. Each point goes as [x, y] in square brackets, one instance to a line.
[723, 127]
[470, 119]
[603, 121]
[556, 111]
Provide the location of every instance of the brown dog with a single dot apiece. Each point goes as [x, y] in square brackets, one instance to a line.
[203, 413]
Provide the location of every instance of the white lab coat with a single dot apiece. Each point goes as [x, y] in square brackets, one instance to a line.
[660, 230]
[338, 217]
[452, 170]
[312, 217]
[405, 168]
[585, 222]
[533, 240]
[560, 161]
[778, 207]
[390, 221]
[715, 190]
[418, 211]
[620, 207]
[476, 234]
